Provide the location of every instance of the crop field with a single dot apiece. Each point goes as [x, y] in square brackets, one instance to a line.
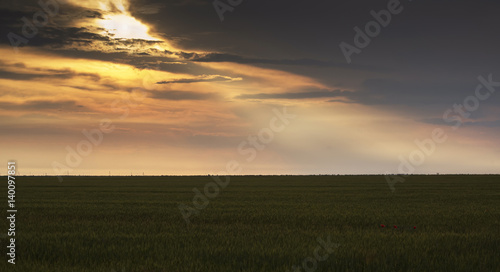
[256, 223]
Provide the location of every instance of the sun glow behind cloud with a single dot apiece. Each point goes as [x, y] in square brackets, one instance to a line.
[117, 20]
[124, 26]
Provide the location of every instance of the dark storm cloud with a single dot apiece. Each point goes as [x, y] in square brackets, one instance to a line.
[429, 55]
[393, 91]
[191, 3]
[383, 92]
[219, 57]
[417, 98]
[415, 92]
[182, 95]
[273, 28]
[150, 8]
[12, 17]
[448, 40]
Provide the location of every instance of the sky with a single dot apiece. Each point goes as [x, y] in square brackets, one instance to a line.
[197, 87]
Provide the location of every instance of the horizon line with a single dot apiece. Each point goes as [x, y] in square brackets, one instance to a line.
[254, 175]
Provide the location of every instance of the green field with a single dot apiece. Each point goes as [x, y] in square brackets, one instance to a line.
[257, 223]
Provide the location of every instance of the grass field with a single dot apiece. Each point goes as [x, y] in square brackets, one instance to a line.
[256, 223]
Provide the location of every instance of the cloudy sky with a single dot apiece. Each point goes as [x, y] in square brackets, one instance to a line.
[167, 87]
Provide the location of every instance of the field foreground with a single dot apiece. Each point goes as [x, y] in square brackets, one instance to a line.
[256, 223]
